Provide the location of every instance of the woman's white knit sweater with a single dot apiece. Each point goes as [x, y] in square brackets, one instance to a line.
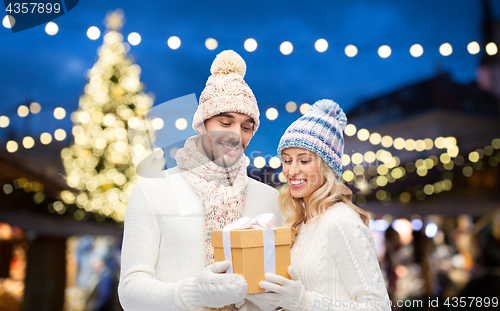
[164, 241]
[335, 258]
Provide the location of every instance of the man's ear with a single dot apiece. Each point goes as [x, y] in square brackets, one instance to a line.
[201, 129]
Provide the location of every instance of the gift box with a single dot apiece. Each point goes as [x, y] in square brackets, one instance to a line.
[248, 253]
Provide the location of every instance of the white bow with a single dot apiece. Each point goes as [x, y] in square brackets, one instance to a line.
[262, 221]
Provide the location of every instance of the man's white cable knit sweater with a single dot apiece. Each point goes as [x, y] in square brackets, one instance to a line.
[164, 241]
[335, 258]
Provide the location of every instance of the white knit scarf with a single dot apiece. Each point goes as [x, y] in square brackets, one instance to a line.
[221, 190]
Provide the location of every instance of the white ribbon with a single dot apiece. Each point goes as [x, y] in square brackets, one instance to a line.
[263, 222]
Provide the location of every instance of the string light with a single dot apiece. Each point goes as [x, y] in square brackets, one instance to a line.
[291, 107]
[174, 42]
[35, 108]
[286, 48]
[93, 33]
[211, 44]
[45, 138]
[387, 141]
[259, 162]
[4, 121]
[445, 49]
[350, 130]
[51, 28]
[59, 113]
[23, 111]
[400, 143]
[8, 21]
[375, 138]
[351, 50]
[12, 146]
[321, 45]
[250, 45]
[416, 50]
[60, 134]
[158, 123]
[421, 167]
[28, 142]
[272, 114]
[363, 134]
[346, 159]
[274, 162]
[473, 48]
[384, 51]
[491, 49]
[181, 124]
[304, 107]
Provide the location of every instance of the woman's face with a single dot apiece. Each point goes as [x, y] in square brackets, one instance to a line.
[301, 169]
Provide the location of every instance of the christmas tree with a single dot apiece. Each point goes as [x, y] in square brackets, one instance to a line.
[99, 160]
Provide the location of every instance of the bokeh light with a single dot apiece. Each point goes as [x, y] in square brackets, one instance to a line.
[384, 51]
[304, 107]
[259, 162]
[286, 48]
[93, 33]
[491, 49]
[35, 107]
[274, 162]
[291, 107]
[134, 38]
[12, 146]
[59, 113]
[250, 45]
[174, 42]
[211, 44]
[23, 111]
[416, 50]
[351, 50]
[272, 114]
[51, 28]
[181, 124]
[28, 142]
[445, 49]
[45, 138]
[321, 45]
[473, 48]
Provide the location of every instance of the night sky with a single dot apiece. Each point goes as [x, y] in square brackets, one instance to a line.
[50, 69]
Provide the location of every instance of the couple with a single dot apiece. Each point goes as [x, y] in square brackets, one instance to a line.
[168, 222]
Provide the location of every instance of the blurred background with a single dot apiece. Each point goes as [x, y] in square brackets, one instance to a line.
[419, 81]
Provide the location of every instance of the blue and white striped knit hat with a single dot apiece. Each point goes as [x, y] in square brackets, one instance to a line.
[320, 130]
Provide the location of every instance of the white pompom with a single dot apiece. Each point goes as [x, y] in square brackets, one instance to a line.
[229, 62]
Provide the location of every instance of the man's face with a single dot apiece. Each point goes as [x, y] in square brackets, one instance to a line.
[228, 136]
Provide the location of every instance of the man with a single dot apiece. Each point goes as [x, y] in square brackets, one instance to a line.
[167, 256]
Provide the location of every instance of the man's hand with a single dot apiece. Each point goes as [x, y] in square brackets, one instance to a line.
[216, 289]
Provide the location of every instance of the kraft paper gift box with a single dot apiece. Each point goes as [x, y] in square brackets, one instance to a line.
[247, 251]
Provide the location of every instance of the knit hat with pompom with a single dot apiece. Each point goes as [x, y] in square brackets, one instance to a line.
[226, 91]
[320, 130]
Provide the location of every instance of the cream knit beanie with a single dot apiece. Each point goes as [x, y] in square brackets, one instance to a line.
[226, 91]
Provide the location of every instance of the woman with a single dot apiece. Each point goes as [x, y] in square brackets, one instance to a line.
[334, 266]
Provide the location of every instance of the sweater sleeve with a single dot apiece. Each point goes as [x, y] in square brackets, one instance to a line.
[138, 289]
[353, 249]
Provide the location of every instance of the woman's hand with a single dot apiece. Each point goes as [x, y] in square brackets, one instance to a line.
[289, 295]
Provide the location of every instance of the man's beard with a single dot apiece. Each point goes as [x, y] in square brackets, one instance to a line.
[217, 154]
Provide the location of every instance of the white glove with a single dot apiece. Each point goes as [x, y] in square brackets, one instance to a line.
[213, 288]
[289, 295]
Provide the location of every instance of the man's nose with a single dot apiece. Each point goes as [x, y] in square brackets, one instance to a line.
[234, 136]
